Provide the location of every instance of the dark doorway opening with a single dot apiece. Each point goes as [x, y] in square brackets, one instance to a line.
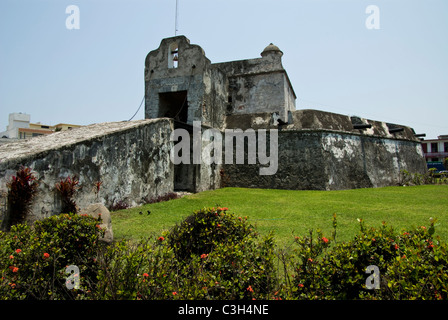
[185, 174]
[174, 105]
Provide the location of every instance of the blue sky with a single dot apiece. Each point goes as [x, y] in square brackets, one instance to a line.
[398, 73]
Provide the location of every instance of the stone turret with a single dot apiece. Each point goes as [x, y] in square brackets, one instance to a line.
[181, 83]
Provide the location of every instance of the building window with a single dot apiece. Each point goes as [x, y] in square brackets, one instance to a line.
[173, 56]
[425, 148]
[445, 146]
[434, 147]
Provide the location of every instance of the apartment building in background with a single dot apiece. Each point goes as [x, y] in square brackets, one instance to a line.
[436, 151]
[20, 127]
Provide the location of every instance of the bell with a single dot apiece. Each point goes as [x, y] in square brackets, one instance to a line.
[175, 58]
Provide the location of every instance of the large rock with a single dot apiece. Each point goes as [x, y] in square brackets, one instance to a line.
[97, 209]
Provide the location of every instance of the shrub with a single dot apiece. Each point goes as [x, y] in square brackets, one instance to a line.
[119, 205]
[222, 257]
[166, 197]
[430, 177]
[142, 270]
[412, 266]
[21, 190]
[200, 232]
[214, 254]
[420, 268]
[244, 270]
[168, 267]
[67, 189]
[33, 259]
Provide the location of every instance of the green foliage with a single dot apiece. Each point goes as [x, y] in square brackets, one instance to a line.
[415, 179]
[412, 266]
[234, 262]
[226, 261]
[21, 190]
[143, 270]
[214, 254]
[33, 259]
[243, 270]
[204, 229]
[420, 269]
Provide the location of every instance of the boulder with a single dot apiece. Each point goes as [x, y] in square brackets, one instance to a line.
[98, 209]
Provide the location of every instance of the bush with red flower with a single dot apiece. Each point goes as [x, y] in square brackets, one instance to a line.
[412, 264]
[34, 258]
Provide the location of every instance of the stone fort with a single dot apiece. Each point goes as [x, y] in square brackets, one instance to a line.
[317, 150]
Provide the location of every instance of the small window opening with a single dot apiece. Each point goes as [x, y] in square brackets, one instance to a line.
[173, 56]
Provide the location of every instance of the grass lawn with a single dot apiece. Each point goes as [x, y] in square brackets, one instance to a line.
[292, 213]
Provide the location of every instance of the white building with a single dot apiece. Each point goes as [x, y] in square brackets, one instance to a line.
[19, 127]
[16, 121]
[436, 150]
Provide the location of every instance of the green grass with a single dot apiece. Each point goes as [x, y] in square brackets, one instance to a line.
[292, 213]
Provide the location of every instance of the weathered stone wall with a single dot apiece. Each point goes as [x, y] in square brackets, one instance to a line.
[330, 161]
[131, 159]
[258, 85]
[322, 151]
[206, 87]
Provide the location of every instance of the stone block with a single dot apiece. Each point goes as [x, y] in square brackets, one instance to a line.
[96, 210]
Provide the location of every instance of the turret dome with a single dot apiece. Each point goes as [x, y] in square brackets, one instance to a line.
[271, 48]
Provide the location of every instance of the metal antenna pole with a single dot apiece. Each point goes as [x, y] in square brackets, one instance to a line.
[175, 21]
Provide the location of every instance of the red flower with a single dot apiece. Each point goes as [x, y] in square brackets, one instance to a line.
[174, 293]
[46, 255]
[396, 247]
[224, 209]
[14, 269]
[161, 238]
[203, 256]
[324, 239]
[146, 275]
[11, 257]
[300, 285]
[249, 288]
[18, 250]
